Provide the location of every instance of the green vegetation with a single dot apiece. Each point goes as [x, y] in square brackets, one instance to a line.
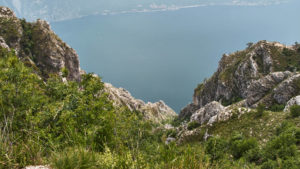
[260, 110]
[277, 107]
[75, 125]
[285, 59]
[295, 110]
[26, 42]
[9, 30]
[192, 125]
[231, 101]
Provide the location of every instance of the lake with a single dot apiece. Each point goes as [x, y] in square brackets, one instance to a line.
[164, 55]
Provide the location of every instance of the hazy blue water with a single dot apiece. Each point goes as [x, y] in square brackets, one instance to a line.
[164, 55]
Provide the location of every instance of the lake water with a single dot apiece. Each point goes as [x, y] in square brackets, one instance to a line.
[164, 55]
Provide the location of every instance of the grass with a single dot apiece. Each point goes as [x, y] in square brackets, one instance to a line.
[285, 59]
[249, 125]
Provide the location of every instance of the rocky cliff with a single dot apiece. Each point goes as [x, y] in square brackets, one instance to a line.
[156, 112]
[39, 47]
[37, 43]
[265, 72]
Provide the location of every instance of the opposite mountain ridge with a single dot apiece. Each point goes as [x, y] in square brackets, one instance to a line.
[264, 73]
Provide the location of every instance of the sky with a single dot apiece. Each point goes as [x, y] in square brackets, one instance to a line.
[58, 10]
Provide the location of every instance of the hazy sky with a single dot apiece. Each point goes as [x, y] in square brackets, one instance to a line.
[57, 10]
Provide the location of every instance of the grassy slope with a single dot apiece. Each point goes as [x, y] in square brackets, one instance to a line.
[262, 128]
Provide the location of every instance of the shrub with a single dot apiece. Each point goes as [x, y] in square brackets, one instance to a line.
[74, 158]
[216, 147]
[260, 110]
[254, 155]
[192, 125]
[239, 145]
[277, 107]
[291, 163]
[65, 72]
[282, 146]
[295, 110]
[283, 127]
[269, 165]
[171, 133]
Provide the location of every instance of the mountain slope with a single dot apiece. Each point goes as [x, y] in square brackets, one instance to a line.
[266, 72]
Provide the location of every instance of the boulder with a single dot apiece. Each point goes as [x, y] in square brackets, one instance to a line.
[293, 101]
[204, 114]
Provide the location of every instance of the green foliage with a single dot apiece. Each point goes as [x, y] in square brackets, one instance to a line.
[260, 110]
[231, 101]
[277, 107]
[286, 59]
[240, 146]
[65, 72]
[74, 125]
[26, 42]
[75, 158]
[295, 110]
[216, 147]
[270, 164]
[282, 146]
[192, 125]
[9, 30]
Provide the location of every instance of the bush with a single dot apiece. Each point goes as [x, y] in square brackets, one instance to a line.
[260, 110]
[254, 155]
[216, 147]
[192, 125]
[295, 110]
[291, 163]
[74, 158]
[269, 165]
[282, 146]
[283, 127]
[239, 146]
[277, 107]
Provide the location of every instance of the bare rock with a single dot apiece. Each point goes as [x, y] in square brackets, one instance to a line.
[293, 101]
[204, 114]
[52, 54]
[287, 89]
[49, 53]
[169, 140]
[3, 44]
[259, 88]
[10, 28]
[156, 112]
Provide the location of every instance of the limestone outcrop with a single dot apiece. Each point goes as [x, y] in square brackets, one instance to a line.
[266, 72]
[38, 43]
[156, 112]
[293, 101]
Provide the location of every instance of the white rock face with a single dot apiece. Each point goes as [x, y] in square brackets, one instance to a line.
[6, 13]
[3, 43]
[293, 101]
[207, 112]
[156, 112]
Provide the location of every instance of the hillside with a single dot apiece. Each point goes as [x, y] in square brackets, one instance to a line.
[54, 114]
